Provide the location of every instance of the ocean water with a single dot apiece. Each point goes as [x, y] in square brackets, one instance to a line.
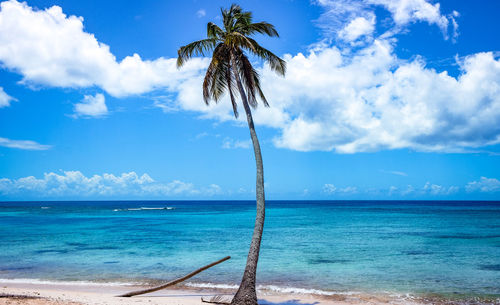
[444, 248]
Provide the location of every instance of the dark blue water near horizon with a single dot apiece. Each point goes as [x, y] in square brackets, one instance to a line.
[443, 247]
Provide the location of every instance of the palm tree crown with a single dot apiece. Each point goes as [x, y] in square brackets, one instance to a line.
[228, 47]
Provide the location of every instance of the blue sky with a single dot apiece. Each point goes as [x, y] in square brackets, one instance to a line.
[382, 100]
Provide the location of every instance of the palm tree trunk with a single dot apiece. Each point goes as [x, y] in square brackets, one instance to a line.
[246, 294]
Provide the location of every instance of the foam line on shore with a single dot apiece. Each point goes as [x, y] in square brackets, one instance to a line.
[206, 285]
[274, 288]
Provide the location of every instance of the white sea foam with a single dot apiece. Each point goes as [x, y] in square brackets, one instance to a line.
[296, 290]
[44, 208]
[274, 288]
[211, 285]
[144, 209]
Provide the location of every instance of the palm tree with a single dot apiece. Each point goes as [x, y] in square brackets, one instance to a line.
[230, 70]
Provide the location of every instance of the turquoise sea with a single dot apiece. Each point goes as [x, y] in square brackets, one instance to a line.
[416, 247]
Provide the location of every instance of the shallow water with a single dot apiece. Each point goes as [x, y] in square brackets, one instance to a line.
[448, 248]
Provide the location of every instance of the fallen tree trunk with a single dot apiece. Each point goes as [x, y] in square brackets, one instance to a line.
[176, 281]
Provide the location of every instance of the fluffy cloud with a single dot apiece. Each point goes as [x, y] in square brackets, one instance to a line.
[332, 99]
[229, 143]
[74, 183]
[92, 106]
[485, 185]
[201, 13]
[358, 27]
[428, 189]
[5, 99]
[23, 144]
[403, 12]
[371, 100]
[435, 189]
[332, 189]
[338, 13]
[409, 11]
[49, 48]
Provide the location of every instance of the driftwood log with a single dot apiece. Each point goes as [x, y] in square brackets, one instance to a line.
[176, 281]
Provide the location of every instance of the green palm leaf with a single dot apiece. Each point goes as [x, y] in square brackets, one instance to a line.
[230, 65]
[196, 48]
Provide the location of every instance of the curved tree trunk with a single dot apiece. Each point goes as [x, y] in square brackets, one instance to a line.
[246, 294]
[176, 281]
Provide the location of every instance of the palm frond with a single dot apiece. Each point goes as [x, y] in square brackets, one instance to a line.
[275, 62]
[242, 21]
[219, 80]
[219, 86]
[230, 88]
[259, 90]
[214, 31]
[215, 82]
[229, 17]
[207, 81]
[196, 48]
[229, 62]
[237, 40]
[261, 28]
[247, 74]
[235, 9]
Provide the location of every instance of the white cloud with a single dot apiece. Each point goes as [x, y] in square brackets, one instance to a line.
[229, 143]
[212, 190]
[23, 144]
[5, 99]
[454, 23]
[91, 106]
[49, 48]
[332, 189]
[409, 11]
[371, 100]
[403, 12]
[201, 13]
[485, 185]
[428, 190]
[166, 103]
[435, 189]
[74, 183]
[329, 188]
[397, 173]
[409, 190]
[358, 27]
[392, 190]
[331, 99]
[339, 13]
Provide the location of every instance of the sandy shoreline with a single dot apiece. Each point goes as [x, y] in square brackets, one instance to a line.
[95, 294]
[53, 294]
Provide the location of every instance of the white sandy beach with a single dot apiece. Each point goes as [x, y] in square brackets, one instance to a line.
[52, 294]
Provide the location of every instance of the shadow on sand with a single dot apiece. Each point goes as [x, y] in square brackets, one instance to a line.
[287, 302]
